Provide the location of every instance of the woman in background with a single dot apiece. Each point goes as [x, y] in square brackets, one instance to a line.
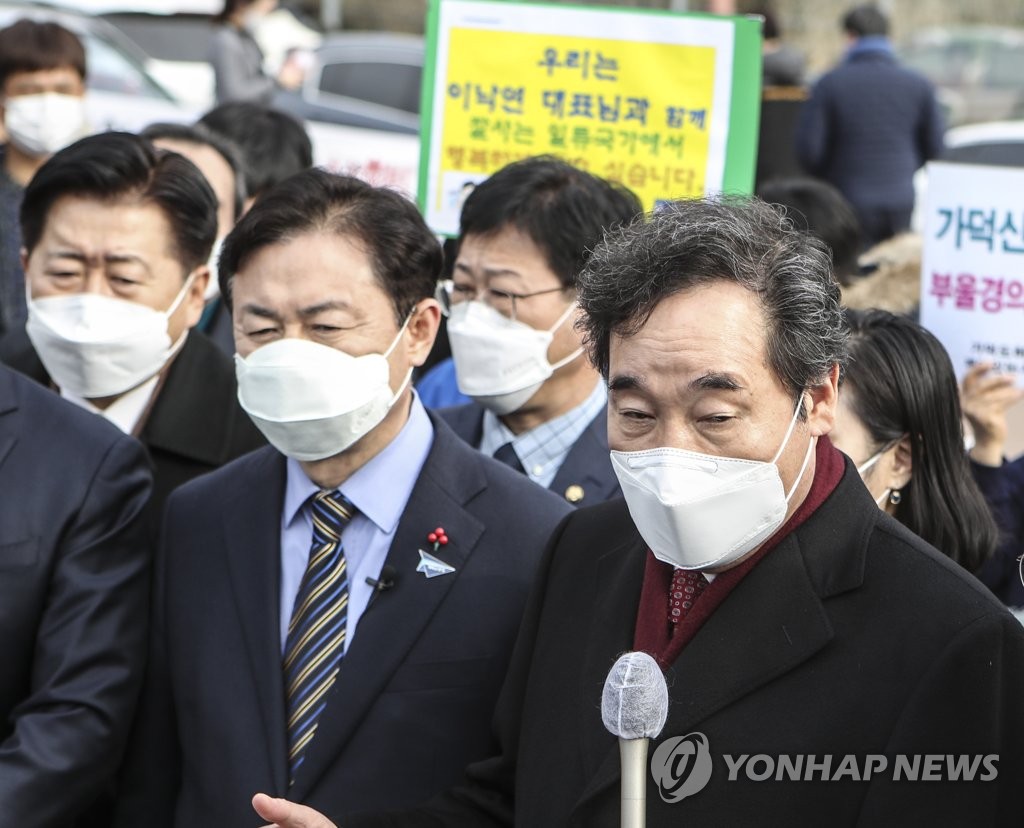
[237, 59]
[899, 420]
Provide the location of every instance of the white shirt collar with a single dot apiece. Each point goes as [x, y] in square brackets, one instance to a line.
[124, 412]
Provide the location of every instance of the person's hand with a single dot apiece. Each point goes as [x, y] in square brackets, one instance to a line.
[284, 814]
[985, 397]
[292, 73]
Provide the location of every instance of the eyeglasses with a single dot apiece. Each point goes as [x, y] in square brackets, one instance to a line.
[449, 294]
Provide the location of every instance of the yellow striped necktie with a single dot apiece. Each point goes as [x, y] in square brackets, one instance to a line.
[316, 633]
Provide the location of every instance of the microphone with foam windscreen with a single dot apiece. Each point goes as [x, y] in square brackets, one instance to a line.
[634, 707]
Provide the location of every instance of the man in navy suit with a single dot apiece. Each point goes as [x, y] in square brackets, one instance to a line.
[538, 404]
[73, 589]
[868, 126]
[333, 614]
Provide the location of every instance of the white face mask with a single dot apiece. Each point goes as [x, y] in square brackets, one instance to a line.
[97, 346]
[499, 362]
[42, 124]
[312, 401]
[698, 511]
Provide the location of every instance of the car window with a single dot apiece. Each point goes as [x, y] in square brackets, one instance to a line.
[112, 71]
[1005, 68]
[178, 37]
[388, 84]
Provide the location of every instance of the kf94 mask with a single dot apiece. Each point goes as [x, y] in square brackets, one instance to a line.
[97, 346]
[698, 511]
[499, 362]
[312, 401]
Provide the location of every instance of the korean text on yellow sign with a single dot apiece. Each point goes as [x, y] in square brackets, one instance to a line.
[636, 113]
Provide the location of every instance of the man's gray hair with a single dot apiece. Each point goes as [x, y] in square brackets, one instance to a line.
[699, 241]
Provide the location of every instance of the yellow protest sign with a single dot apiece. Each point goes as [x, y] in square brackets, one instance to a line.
[645, 99]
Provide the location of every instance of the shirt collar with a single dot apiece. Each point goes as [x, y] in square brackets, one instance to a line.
[549, 442]
[124, 412]
[380, 489]
[870, 43]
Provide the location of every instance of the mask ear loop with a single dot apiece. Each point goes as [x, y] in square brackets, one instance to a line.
[867, 464]
[789, 431]
[390, 350]
[785, 441]
[561, 321]
[180, 297]
[177, 346]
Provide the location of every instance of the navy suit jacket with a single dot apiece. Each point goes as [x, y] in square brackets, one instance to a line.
[73, 602]
[586, 469]
[413, 700]
[195, 424]
[868, 125]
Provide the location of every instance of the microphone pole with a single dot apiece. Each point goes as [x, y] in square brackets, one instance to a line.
[633, 755]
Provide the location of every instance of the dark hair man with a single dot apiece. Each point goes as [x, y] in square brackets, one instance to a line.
[337, 611]
[273, 144]
[869, 125]
[793, 618]
[42, 107]
[539, 406]
[220, 162]
[117, 237]
[821, 210]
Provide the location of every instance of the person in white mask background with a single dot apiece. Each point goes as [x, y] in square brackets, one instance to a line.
[899, 420]
[538, 404]
[117, 235]
[367, 540]
[42, 109]
[220, 162]
[826, 631]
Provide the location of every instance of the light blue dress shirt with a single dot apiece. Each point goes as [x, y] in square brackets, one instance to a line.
[380, 491]
[543, 449]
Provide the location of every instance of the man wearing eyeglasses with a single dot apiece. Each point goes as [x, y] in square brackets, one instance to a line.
[538, 404]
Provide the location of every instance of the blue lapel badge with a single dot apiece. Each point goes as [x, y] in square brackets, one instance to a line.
[431, 566]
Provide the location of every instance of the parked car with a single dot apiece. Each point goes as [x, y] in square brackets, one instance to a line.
[367, 128]
[176, 38]
[120, 93]
[997, 144]
[362, 79]
[977, 70]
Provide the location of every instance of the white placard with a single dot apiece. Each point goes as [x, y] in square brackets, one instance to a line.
[972, 271]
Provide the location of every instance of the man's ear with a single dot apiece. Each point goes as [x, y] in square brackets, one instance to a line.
[821, 417]
[422, 331]
[194, 301]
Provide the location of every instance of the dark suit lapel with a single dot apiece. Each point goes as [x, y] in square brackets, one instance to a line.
[8, 413]
[617, 579]
[467, 421]
[587, 469]
[188, 415]
[394, 621]
[758, 633]
[252, 533]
